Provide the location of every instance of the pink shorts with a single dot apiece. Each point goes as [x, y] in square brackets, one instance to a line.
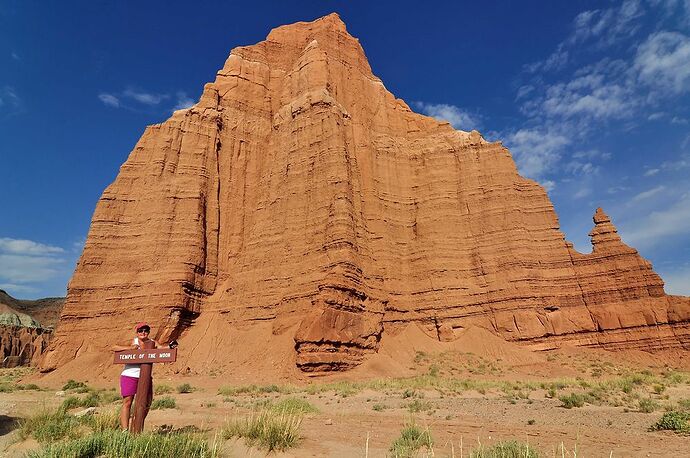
[128, 386]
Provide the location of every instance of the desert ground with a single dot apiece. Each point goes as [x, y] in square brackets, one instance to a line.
[570, 402]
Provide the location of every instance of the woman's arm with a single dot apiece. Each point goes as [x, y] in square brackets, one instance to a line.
[172, 344]
[123, 347]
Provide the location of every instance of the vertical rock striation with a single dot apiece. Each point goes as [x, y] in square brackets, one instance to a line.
[299, 191]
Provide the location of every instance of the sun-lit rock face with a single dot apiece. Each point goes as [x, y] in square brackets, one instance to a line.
[299, 191]
[22, 339]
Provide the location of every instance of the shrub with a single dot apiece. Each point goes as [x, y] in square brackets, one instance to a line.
[269, 430]
[573, 400]
[659, 388]
[166, 402]
[419, 406]
[409, 394]
[162, 389]
[70, 402]
[673, 421]
[269, 389]
[507, 449]
[91, 400]
[115, 444]
[29, 386]
[379, 407]
[73, 385]
[412, 438]
[108, 397]
[684, 404]
[185, 388]
[647, 405]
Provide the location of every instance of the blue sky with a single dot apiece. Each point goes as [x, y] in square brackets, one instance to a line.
[591, 97]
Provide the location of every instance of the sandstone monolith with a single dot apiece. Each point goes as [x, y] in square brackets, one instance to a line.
[299, 193]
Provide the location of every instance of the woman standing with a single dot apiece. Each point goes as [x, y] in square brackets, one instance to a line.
[129, 378]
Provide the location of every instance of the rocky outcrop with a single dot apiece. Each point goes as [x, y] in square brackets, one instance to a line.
[299, 191]
[45, 311]
[22, 346]
[22, 339]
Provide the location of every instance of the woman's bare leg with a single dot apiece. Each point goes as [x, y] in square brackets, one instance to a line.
[124, 413]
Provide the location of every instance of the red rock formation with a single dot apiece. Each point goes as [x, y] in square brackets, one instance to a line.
[299, 191]
[22, 339]
[22, 346]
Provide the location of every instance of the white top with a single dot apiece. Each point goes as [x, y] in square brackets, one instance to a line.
[132, 370]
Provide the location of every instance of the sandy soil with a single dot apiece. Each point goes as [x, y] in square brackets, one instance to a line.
[508, 398]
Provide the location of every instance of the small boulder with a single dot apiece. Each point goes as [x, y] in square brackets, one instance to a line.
[85, 412]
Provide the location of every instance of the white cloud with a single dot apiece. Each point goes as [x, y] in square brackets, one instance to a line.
[457, 117]
[28, 269]
[10, 102]
[683, 162]
[27, 247]
[655, 116]
[651, 172]
[654, 227]
[592, 154]
[109, 100]
[549, 185]
[145, 98]
[25, 262]
[607, 26]
[133, 99]
[556, 61]
[183, 101]
[581, 168]
[524, 91]
[679, 120]
[78, 245]
[14, 288]
[679, 9]
[590, 96]
[677, 281]
[617, 189]
[582, 192]
[649, 193]
[663, 62]
[15, 56]
[536, 151]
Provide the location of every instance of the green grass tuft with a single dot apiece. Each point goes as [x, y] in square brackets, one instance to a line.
[185, 388]
[412, 439]
[162, 389]
[573, 400]
[166, 402]
[647, 405]
[294, 406]
[507, 449]
[49, 426]
[116, 444]
[267, 429]
[73, 385]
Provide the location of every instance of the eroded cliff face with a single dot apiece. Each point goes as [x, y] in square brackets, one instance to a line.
[300, 192]
[22, 338]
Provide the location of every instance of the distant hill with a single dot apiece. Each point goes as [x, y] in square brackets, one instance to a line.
[44, 311]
